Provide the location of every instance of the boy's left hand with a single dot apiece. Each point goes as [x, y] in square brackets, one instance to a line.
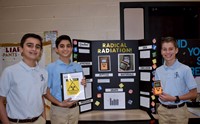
[166, 97]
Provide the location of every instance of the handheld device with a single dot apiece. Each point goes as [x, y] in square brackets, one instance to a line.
[157, 87]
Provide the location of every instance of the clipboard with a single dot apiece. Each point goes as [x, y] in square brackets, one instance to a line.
[71, 86]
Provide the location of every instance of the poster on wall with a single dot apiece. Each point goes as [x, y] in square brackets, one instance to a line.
[190, 48]
[51, 36]
[10, 55]
[46, 55]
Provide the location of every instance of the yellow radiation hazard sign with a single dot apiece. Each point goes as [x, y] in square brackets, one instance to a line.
[72, 86]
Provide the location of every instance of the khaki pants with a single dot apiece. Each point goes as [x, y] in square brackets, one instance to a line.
[173, 116]
[40, 120]
[59, 115]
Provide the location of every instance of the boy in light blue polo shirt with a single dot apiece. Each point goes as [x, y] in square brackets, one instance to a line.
[67, 111]
[178, 85]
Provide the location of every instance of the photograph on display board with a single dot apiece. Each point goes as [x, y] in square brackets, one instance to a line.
[126, 62]
[104, 63]
[114, 100]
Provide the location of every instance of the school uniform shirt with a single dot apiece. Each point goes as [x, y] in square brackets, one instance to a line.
[54, 73]
[176, 80]
[23, 87]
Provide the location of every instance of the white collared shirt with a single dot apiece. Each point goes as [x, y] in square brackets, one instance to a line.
[23, 87]
[176, 80]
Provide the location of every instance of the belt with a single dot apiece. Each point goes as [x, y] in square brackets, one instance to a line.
[23, 120]
[73, 106]
[173, 106]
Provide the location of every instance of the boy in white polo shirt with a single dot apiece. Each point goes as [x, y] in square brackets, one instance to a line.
[178, 85]
[23, 85]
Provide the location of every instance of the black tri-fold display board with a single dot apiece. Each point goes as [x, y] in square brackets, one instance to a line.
[82, 53]
[111, 70]
[149, 60]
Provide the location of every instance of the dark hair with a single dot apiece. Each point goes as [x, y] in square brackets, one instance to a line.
[30, 35]
[169, 40]
[62, 37]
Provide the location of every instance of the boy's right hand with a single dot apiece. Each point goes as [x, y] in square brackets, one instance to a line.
[67, 103]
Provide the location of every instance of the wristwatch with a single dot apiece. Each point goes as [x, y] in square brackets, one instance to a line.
[177, 99]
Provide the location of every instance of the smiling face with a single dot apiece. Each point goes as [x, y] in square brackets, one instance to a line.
[64, 49]
[169, 52]
[31, 49]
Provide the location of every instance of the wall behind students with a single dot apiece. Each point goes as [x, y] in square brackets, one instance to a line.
[82, 19]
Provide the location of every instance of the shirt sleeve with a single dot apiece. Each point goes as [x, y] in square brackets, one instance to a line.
[46, 81]
[49, 82]
[189, 79]
[80, 69]
[156, 75]
[5, 82]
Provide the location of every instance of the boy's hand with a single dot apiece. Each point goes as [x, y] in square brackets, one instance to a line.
[166, 97]
[67, 103]
[83, 82]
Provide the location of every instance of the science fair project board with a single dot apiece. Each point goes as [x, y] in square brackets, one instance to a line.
[111, 70]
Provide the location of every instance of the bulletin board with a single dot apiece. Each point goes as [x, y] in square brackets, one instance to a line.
[10, 54]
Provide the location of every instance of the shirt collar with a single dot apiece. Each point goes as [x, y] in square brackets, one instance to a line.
[174, 66]
[62, 63]
[28, 68]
